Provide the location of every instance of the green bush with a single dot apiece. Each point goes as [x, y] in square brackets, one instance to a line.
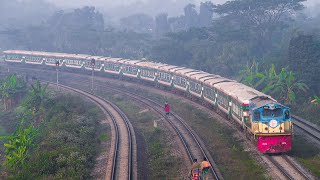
[67, 142]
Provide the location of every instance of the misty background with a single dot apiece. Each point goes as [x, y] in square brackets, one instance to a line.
[236, 39]
[270, 45]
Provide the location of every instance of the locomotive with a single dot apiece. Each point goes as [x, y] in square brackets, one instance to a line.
[260, 116]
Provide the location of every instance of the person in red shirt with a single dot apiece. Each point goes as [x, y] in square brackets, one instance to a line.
[167, 108]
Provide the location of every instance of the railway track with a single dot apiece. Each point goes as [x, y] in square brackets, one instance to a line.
[307, 127]
[287, 167]
[120, 164]
[191, 142]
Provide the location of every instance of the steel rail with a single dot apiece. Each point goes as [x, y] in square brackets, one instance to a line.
[285, 157]
[302, 121]
[178, 132]
[280, 168]
[126, 120]
[294, 117]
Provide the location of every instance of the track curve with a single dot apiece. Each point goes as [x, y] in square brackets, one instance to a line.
[120, 165]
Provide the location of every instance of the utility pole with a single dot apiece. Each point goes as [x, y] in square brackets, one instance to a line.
[93, 63]
[57, 69]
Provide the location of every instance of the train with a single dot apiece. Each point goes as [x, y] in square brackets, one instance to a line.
[263, 120]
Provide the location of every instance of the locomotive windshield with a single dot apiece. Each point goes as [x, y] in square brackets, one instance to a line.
[272, 113]
[256, 115]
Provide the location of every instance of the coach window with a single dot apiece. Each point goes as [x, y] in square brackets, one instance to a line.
[183, 81]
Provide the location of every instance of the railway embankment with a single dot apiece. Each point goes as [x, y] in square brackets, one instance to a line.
[239, 146]
[160, 96]
[158, 156]
[233, 159]
[66, 142]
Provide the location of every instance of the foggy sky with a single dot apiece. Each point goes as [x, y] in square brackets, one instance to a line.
[128, 7]
[121, 8]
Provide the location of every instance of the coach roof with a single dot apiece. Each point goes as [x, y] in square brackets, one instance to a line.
[216, 79]
[239, 91]
[150, 64]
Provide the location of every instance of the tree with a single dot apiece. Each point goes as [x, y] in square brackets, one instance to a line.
[191, 16]
[251, 76]
[304, 59]
[259, 18]
[283, 86]
[138, 22]
[78, 31]
[10, 87]
[254, 77]
[162, 25]
[286, 87]
[17, 145]
[36, 100]
[205, 14]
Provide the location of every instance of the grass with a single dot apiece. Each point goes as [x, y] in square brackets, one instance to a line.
[67, 143]
[306, 153]
[3, 131]
[233, 161]
[308, 111]
[104, 137]
[161, 162]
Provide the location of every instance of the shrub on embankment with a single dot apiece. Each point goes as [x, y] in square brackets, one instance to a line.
[61, 143]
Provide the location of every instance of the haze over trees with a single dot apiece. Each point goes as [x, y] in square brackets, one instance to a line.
[221, 39]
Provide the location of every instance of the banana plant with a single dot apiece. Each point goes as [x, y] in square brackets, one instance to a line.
[8, 89]
[286, 86]
[36, 100]
[17, 145]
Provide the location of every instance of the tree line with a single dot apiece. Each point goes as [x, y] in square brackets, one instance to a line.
[221, 39]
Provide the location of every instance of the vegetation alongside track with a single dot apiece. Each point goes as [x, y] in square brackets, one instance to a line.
[60, 143]
[306, 153]
[161, 162]
[232, 159]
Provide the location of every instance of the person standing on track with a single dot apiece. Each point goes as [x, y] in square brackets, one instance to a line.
[205, 166]
[167, 108]
[195, 170]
